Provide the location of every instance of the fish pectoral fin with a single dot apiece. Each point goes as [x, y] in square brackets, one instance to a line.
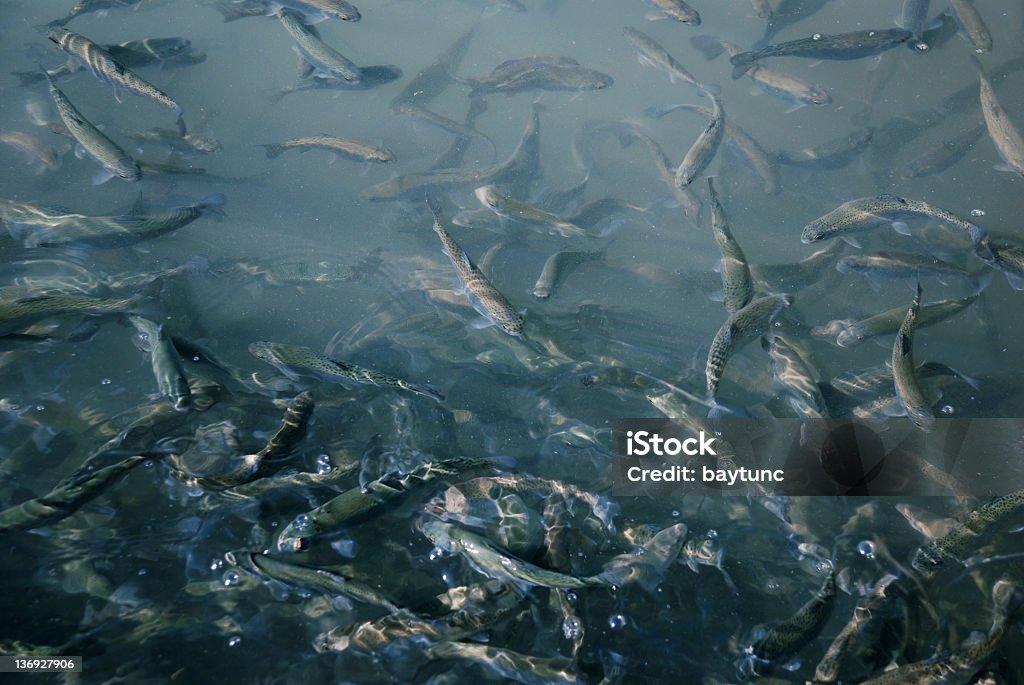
[901, 228]
[118, 95]
[717, 296]
[481, 323]
[1016, 282]
[853, 242]
[101, 177]
[655, 16]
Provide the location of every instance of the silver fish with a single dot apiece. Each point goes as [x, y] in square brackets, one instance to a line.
[704, 148]
[556, 267]
[908, 388]
[107, 153]
[651, 53]
[317, 10]
[508, 664]
[898, 265]
[517, 210]
[325, 60]
[674, 9]
[972, 24]
[736, 281]
[344, 147]
[34, 149]
[843, 46]
[793, 371]
[1001, 130]
[739, 329]
[166, 363]
[485, 298]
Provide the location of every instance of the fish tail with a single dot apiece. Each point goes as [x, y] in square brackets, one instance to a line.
[274, 150]
[741, 63]
[27, 78]
[214, 204]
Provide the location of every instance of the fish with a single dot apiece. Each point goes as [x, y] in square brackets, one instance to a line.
[898, 265]
[517, 210]
[756, 156]
[834, 154]
[1006, 257]
[787, 13]
[674, 9]
[508, 664]
[108, 70]
[866, 213]
[56, 227]
[971, 23]
[763, 8]
[318, 10]
[943, 157]
[780, 84]
[540, 72]
[342, 147]
[872, 607]
[485, 298]
[913, 16]
[739, 329]
[776, 642]
[361, 501]
[108, 154]
[704, 148]
[370, 77]
[794, 372]
[842, 46]
[557, 267]
[166, 363]
[318, 579]
[796, 276]
[1004, 134]
[871, 382]
[651, 53]
[86, 6]
[17, 314]
[66, 498]
[908, 388]
[293, 361]
[189, 144]
[325, 60]
[888, 322]
[737, 285]
[35, 150]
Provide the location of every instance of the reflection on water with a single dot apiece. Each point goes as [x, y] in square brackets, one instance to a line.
[439, 506]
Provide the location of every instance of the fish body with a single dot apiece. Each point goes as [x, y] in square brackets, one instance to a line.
[675, 9]
[292, 360]
[888, 322]
[542, 72]
[486, 299]
[946, 155]
[651, 53]
[971, 23]
[704, 148]
[866, 213]
[517, 210]
[780, 84]
[370, 77]
[792, 370]
[166, 363]
[787, 13]
[189, 144]
[556, 267]
[34, 149]
[843, 46]
[325, 60]
[872, 608]
[1008, 258]
[344, 147]
[108, 154]
[908, 388]
[835, 154]
[1001, 130]
[316, 10]
[19, 313]
[898, 265]
[737, 284]
[739, 329]
[104, 67]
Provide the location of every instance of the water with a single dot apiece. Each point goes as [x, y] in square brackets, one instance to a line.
[135, 580]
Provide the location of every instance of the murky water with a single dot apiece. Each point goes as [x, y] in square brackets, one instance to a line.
[138, 579]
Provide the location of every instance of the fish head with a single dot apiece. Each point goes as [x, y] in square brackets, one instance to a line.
[818, 96]
[815, 231]
[128, 169]
[488, 197]
[58, 35]
[262, 350]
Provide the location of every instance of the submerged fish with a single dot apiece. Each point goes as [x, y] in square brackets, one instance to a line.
[485, 298]
[738, 330]
[293, 361]
[843, 46]
[898, 265]
[107, 153]
[35, 150]
[556, 267]
[17, 314]
[674, 9]
[971, 23]
[539, 73]
[794, 372]
[704, 148]
[344, 147]
[322, 58]
[86, 6]
[737, 285]
[834, 154]
[517, 210]
[1006, 257]
[317, 10]
[650, 52]
[908, 388]
[1001, 130]
[943, 157]
[166, 363]
[188, 144]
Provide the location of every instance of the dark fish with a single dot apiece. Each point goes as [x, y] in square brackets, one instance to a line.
[166, 363]
[787, 13]
[843, 46]
[908, 388]
[943, 157]
[835, 154]
[738, 330]
[674, 9]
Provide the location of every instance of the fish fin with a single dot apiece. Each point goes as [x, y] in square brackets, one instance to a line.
[118, 95]
[654, 15]
[717, 296]
[901, 228]
[1016, 282]
[795, 107]
[101, 177]
[214, 204]
[273, 150]
[853, 242]
[741, 63]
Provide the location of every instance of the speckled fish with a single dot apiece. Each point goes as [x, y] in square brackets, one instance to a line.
[792, 370]
[789, 88]
[186, 145]
[943, 157]
[344, 147]
[908, 388]
[866, 213]
[1001, 130]
[317, 579]
[166, 363]
[55, 227]
[958, 542]
[572, 77]
[293, 360]
[556, 267]
[104, 67]
[774, 643]
[843, 46]
[318, 10]
[132, 53]
[872, 607]
[849, 333]
[1008, 258]
[36, 151]
[738, 330]
[507, 664]
[651, 53]
[107, 153]
[674, 9]
[704, 148]
[971, 23]
[898, 265]
[19, 313]
[834, 154]
[484, 297]
[737, 285]
[65, 499]
[325, 60]
[359, 502]
[517, 210]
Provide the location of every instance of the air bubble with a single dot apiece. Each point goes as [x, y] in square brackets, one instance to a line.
[571, 597]
[323, 464]
[617, 621]
[817, 36]
[948, 410]
[866, 549]
[676, 514]
[572, 628]
[302, 523]
[231, 578]
[106, 381]
[977, 212]
[234, 640]
[436, 553]
[216, 564]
